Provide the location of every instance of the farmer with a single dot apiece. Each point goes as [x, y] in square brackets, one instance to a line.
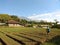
[48, 30]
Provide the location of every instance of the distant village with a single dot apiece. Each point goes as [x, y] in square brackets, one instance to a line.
[15, 21]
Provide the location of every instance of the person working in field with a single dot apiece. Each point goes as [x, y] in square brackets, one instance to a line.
[48, 30]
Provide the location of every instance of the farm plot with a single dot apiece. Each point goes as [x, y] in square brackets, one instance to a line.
[23, 36]
[10, 36]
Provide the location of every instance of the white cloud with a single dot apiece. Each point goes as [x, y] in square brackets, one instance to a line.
[47, 16]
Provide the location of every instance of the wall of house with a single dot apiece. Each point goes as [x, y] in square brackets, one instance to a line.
[13, 25]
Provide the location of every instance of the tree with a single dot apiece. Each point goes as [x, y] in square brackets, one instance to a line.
[56, 25]
[56, 22]
[23, 22]
[15, 18]
[4, 17]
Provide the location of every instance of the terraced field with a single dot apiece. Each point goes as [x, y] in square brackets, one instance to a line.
[24, 36]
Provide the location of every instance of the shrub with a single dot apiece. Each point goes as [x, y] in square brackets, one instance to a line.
[56, 26]
[29, 25]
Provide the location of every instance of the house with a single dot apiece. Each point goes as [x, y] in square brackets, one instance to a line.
[44, 26]
[35, 26]
[58, 23]
[2, 24]
[13, 23]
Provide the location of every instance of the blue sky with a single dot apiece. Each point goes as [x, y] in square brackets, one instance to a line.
[29, 8]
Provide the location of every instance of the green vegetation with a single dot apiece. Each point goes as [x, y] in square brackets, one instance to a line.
[28, 36]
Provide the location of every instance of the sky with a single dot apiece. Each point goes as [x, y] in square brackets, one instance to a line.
[32, 9]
